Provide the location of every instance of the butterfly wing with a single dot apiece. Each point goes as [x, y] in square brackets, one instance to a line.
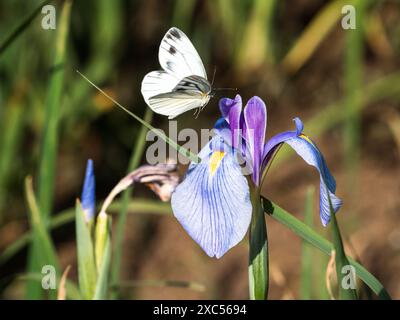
[173, 104]
[157, 82]
[178, 56]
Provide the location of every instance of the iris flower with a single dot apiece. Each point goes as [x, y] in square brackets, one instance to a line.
[213, 202]
[89, 192]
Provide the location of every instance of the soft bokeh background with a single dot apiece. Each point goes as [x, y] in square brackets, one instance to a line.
[344, 84]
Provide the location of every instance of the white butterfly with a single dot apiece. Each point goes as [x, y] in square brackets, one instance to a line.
[182, 85]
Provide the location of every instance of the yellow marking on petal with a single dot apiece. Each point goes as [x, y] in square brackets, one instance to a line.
[303, 136]
[215, 161]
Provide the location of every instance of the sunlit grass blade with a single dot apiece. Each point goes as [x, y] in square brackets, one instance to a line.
[322, 244]
[193, 157]
[306, 256]
[22, 26]
[46, 253]
[102, 254]
[258, 252]
[137, 153]
[316, 31]
[353, 75]
[341, 260]
[50, 135]
[53, 102]
[257, 43]
[87, 273]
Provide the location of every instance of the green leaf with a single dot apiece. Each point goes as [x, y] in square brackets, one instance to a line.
[50, 141]
[341, 260]
[102, 279]
[322, 244]
[87, 273]
[46, 253]
[193, 157]
[306, 256]
[258, 252]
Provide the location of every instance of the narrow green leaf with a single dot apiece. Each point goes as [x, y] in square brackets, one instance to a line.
[87, 273]
[341, 260]
[50, 138]
[322, 244]
[258, 252]
[306, 257]
[102, 279]
[193, 157]
[46, 253]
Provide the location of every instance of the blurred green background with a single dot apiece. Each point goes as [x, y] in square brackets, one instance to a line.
[344, 84]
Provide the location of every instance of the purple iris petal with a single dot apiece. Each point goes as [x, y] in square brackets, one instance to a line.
[306, 149]
[232, 110]
[88, 196]
[255, 115]
[310, 153]
[213, 201]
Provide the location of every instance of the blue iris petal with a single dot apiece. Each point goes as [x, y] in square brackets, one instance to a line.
[310, 153]
[89, 192]
[213, 202]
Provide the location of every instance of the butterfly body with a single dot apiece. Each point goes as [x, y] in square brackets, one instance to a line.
[182, 85]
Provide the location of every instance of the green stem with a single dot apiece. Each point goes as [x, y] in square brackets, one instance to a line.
[258, 251]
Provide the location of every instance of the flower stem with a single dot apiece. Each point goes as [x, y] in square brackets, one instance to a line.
[258, 251]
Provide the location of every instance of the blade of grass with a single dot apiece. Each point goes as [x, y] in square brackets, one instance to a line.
[46, 253]
[313, 35]
[257, 43]
[137, 153]
[341, 260]
[322, 244]
[87, 273]
[353, 83]
[50, 135]
[306, 256]
[23, 25]
[193, 157]
[103, 255]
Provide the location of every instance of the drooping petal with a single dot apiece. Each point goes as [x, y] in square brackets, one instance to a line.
[307, 149]
[231, 110]
[255, 115]
[213, 203]
[88, 197]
